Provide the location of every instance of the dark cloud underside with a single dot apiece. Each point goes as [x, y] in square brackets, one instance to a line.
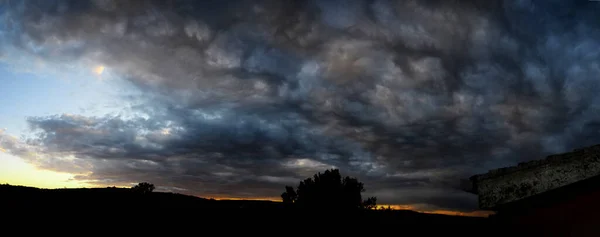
[244, 97]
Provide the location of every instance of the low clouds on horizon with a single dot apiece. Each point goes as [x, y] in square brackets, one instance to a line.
[240, 98]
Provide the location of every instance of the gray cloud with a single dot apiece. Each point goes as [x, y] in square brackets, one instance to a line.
[244, 97]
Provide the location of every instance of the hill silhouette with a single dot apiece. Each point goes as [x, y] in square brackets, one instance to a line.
[112, 197]
[173, 209]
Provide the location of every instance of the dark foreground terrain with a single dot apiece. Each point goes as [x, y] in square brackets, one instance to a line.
[121, 205]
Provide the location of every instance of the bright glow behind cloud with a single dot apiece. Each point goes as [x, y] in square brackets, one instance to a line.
[99, 69]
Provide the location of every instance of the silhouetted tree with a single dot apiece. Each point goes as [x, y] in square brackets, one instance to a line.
[289, 196]
[143, 188]
[328, 190]
[370, 203]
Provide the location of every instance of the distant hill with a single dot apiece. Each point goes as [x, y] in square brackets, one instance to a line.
[116, 198]
[124, 203]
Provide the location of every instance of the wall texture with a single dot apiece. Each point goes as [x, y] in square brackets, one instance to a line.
[505, 185]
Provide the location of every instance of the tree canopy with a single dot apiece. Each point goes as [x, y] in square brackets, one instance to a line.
[143, 188]
[328, 190]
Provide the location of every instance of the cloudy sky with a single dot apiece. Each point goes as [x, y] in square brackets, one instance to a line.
[240, 98]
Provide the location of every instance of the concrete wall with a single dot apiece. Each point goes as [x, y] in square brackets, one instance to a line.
[510, 184]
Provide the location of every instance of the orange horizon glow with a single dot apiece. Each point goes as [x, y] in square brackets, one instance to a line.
[247, 199]
[478, 213]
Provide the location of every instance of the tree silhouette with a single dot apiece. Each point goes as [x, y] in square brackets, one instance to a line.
[289, 196]
[328, 190]
[143, 188]
[370, 203]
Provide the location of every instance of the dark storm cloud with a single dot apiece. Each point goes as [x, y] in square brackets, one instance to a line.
[247, 96]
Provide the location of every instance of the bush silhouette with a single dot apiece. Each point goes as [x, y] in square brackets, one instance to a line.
[143, 188]
[328, 190]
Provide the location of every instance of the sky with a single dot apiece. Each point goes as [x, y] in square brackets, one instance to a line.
[236, 99]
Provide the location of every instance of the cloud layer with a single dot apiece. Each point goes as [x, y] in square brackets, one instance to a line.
[244, 97]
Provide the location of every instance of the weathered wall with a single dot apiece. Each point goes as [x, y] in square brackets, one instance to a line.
[514, 183]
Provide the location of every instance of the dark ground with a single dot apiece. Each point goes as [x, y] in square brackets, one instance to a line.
[170, 211]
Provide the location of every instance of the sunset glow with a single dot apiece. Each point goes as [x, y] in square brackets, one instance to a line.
[442, 212]
[15, 171]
